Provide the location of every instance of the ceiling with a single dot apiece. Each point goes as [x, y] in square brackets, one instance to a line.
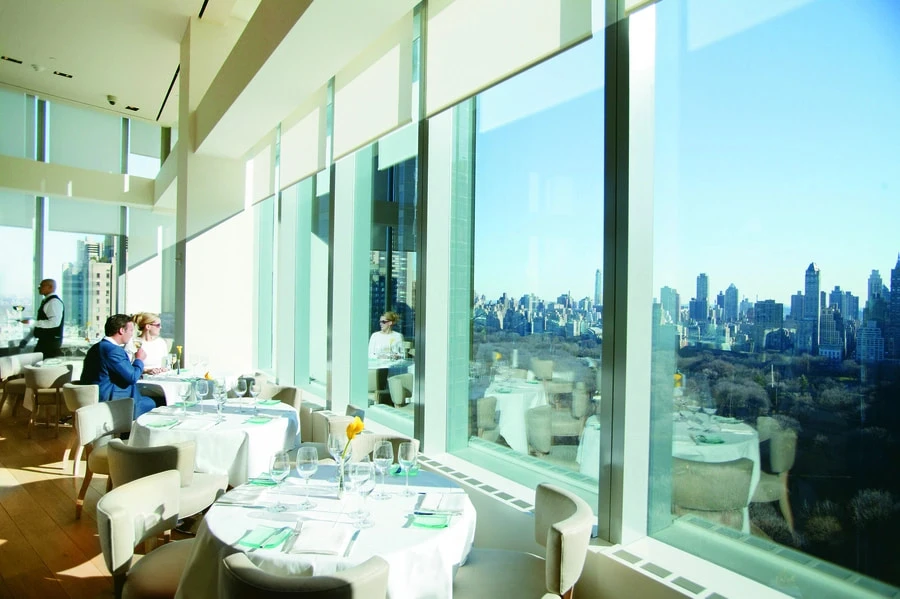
[129, 50]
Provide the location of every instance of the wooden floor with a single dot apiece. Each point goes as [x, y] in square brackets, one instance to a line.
[44, 551]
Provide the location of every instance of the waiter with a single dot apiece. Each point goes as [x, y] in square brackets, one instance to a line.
[48, 325]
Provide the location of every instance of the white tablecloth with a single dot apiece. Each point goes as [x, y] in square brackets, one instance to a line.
[422, 560]
[170, 382]
[514, 398]
[234, 446]
[588, 455]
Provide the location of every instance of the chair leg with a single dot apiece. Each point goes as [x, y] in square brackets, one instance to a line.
[79, 501]
[76, 460]
[31, 422]
[3, 398]
[784, 502]
[58, 411]
[108, 483]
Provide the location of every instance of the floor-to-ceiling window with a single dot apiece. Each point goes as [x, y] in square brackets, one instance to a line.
[776, 286]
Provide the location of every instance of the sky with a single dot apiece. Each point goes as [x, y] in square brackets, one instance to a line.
[776, 144]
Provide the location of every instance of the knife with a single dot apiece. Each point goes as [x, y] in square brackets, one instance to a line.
[289, 544]
[350, 544]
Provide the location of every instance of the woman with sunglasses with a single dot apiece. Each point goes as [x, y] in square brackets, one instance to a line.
[386, 343]
[155, 346]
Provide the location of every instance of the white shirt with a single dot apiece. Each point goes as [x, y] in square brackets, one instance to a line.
[388, 345]
[54, 311]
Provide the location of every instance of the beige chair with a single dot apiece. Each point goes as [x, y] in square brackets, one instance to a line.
[378, 386]
[45, 383]
[782, 453]
[306, 423]
[352, 411]
[487, 420]
[96, 425]
[239, 578]
[126, 516]
[283, 393]
[364, 444]
[542, 369]
[538, 423]
[716, 491]
[12, 379]
[400, 387]
[562, 524]
[325, 422]
[78, 396]
[198, 489]
[570, 422]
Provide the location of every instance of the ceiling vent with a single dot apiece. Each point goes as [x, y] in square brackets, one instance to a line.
[15, 60]
[132, 108]
[61, 74]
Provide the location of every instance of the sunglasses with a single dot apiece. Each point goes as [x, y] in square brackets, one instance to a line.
[384, 321]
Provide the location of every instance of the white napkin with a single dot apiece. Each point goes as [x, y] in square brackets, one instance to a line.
[323, 537]
[444, 502]
[192, 424]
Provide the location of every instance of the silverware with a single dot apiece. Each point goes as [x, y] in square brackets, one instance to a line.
[350, 544]
[289, 544]
[275, 532]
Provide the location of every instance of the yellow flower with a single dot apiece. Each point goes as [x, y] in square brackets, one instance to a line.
[207, 376]
[497, 356]
[678, 378]
[178, 347]
[354, 428]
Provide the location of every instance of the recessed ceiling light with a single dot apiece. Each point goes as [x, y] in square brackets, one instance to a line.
[132, 108]
[15, 60]
[61, 74]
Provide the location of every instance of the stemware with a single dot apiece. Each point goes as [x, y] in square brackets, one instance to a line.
[384, 458]
[278, 470]
[202, 388]
[172, 360]
[307, 464]
[254, 388]
[362, 475]
[240, 389]
[219, 395]
[336, 443]
[185, 392]
[407, 459]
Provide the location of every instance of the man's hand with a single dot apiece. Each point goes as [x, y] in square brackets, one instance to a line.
[140, 354]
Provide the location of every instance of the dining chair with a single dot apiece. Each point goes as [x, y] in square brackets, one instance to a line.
[283, 393]
[570, 422]
[538, 423]
[363, 445]
[715, 491]
[352, 411]
[240, 578]
[77, 396]
[542, 369]
[487, 420]
[774, 486]
[95, 426]
[45, 384]
[127, 516]
[198, 490]
[400, 387]
[12, 381]
[562, 523]
[306, 421]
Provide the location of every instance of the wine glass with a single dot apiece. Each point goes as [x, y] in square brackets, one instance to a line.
[336, 443]
[254, 388]
[185, 392]
[219, 395]
[362, 475]
[240, 389]
[407, 459]
[279, 468]
[307, 464]
[384, 459]
[172, 360]
[202, 388]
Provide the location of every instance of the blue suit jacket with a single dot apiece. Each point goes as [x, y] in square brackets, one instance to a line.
[107, 365]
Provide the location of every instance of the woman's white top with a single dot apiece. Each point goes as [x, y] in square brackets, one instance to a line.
[157, 350]
[386, 345]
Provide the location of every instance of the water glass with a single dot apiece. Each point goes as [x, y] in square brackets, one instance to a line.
[362, 475]
[407, 459]
[384, 459]
[279, 468]
[307, 464]
[201, 387]
[185, 392]
[240, 389]
[219, 395]
[336, 443]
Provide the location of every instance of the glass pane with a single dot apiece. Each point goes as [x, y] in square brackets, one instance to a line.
[319, 240]
[536, 311]
[775, 342]
[17, 290]
[264, 218]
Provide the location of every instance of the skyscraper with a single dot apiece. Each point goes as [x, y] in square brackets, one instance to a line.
[598, 288]
[703, 287]
[809, 329]
[670, 302]
[731, 303]
[893, 344]
[875, 287]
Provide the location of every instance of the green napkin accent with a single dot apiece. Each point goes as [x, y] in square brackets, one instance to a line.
[165, 423]
[504, 390]
[268, 402]
[431, 521]
[265, 537]
[181, 404]
[257, 420]
[709, 439]
[262, 482]
[398, 471]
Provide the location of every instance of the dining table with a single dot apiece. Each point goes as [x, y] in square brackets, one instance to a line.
[424, 537]
[238, 442]
[515, 397]
[170, 382]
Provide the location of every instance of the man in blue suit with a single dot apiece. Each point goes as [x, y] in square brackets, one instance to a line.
[108, 365]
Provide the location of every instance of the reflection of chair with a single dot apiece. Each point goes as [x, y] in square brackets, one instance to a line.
[401, 388]
[240, 578]
[717, 491]
[95, 425]
[570, 423]
[487, 419]
[782, 453]
[45, 383]
[562, 524]
[542, 369]
[378, 385]
[78, 396]
[518, 373]
[537, 430]
[142, 509]
[198, 489]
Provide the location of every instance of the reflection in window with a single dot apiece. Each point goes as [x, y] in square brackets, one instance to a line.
[16, 286]
[537, 298]
[775, 340]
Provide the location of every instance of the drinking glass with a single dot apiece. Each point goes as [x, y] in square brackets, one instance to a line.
[240, 389]
[219, 395]
[384, 459]
[407, 459]
[172, 360]
[254, 388]
[362, 475]
[307, 464]
[336, 443]
[185, 392]
[202, 388]
[279, 468]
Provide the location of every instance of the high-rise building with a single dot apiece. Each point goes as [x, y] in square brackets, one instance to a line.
[809, 340]
[835, 298]
[797, 305]
[731, 303]
[670, 302]
[893, 342]
[768, 316]
[598, 288]
[876, 285]
[850, 306]
[869, 343]
[832, 340]
[703, 287]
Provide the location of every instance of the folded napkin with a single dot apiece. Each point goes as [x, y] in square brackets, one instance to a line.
[161, 422]
[431, 520]
[709, 439]
[443, 502]
[398, 471]
[262, 482]
[181, 404]
[268, 402]
[257, 420]
[194, 424]
[265, 537]
[321, 537]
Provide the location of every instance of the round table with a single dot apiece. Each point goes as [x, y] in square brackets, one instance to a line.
[514, 398]
[422, 560]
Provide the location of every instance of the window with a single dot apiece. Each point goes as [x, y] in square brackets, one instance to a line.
[776, 284]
